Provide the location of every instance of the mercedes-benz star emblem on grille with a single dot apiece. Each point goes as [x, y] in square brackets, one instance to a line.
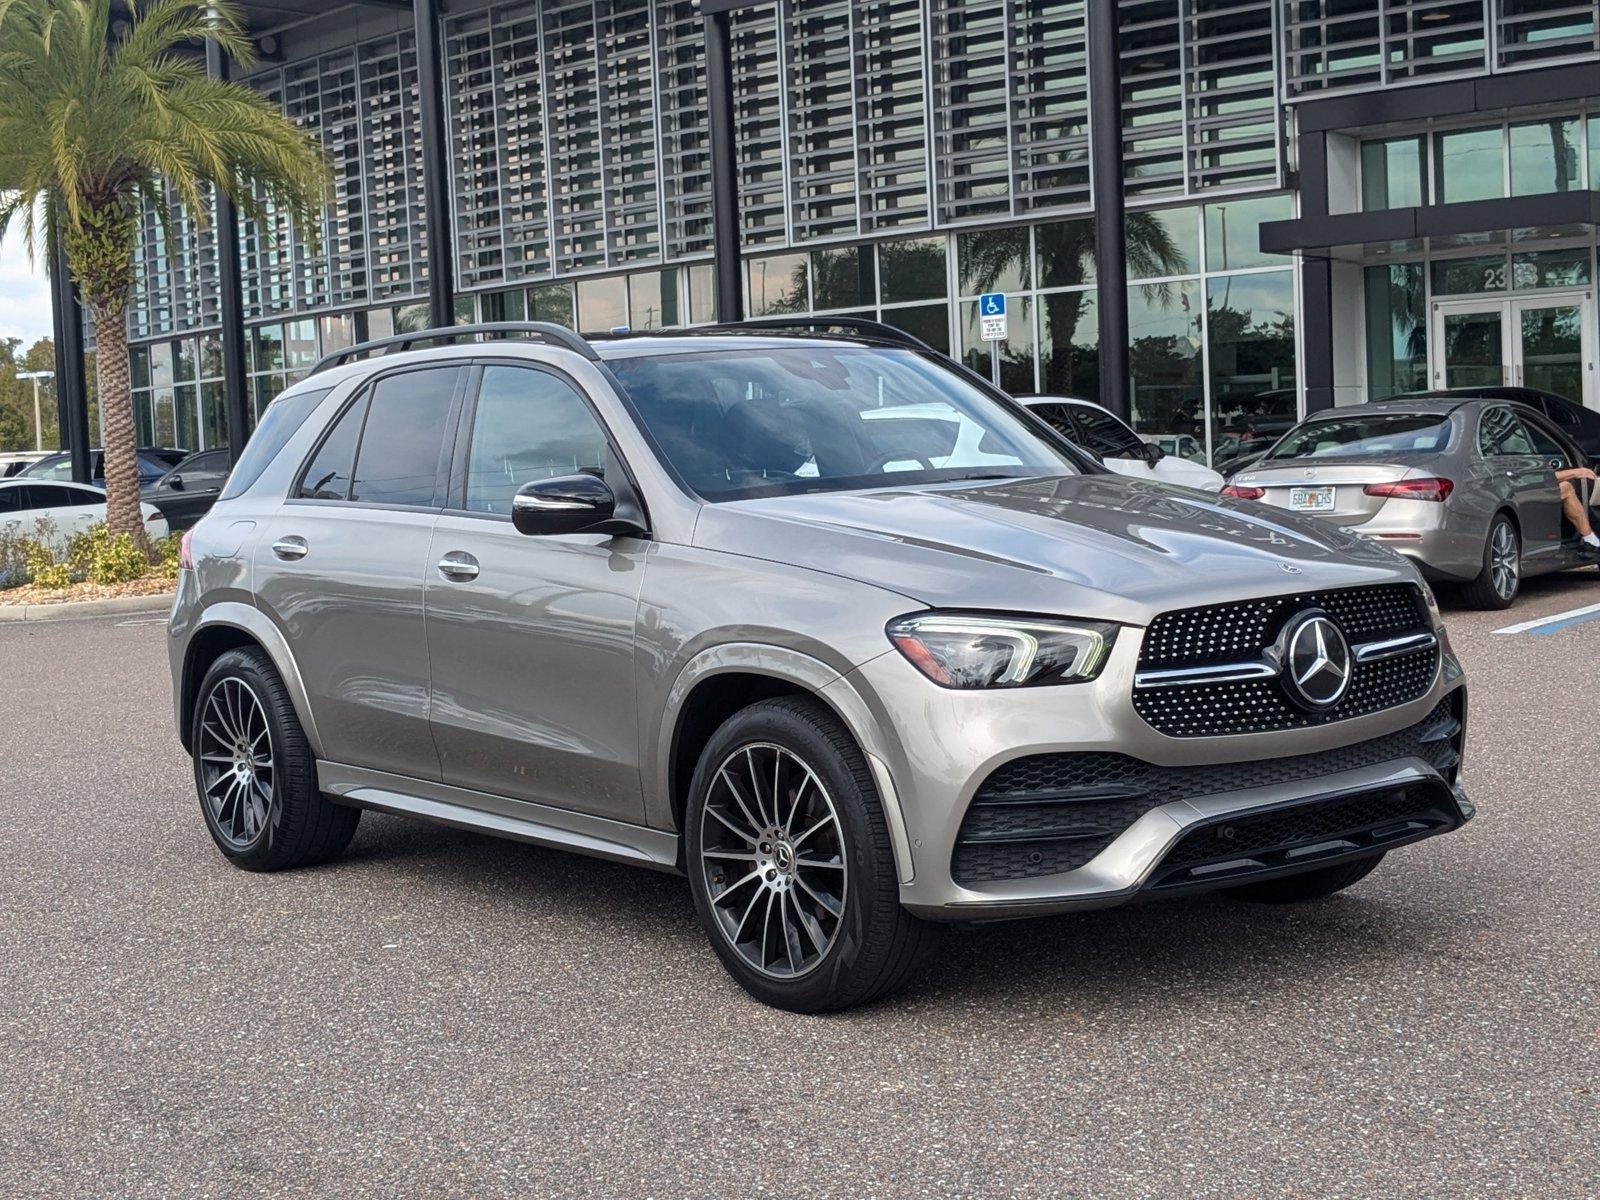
[1316, 661]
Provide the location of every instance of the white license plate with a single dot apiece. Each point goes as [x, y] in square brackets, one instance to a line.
[1311, 499]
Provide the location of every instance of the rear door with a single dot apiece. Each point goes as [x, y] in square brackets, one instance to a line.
[1512, 456]
[187, 493]
[532, 638]
[340, 567]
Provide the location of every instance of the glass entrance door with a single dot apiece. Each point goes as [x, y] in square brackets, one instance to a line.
[1550, 346]
[1543, 342]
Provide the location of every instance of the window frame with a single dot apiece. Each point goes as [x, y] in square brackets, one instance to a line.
[368, 390]
[1516, 419]
[455, 493]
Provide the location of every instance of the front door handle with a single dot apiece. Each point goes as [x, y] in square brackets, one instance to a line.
[458, 567]
[290, 548]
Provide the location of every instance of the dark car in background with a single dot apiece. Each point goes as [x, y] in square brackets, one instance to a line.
[187, 492]
[154, 462]
[1580, 424]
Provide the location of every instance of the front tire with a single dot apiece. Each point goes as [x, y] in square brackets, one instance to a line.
[1500, 580]
[1310, 885]
[255, 771]
[791, 865]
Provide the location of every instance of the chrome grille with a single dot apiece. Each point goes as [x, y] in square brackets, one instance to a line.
[1241, 632]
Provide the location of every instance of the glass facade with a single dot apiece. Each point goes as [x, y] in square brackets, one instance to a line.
[896, 158]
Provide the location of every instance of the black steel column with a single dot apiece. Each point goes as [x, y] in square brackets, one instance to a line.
[724, 159]
[72, 392]
[1316, 279]
[435, 166]
[1110, 219]
[230, 284]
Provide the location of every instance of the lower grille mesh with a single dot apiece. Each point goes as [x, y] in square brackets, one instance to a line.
[1050, 813]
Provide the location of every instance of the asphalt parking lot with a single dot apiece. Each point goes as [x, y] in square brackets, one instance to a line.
[445, 1014]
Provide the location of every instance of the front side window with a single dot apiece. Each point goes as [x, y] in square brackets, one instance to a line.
[1384, 435]
[738, 423]
[403, 446]
[528, 425]
[1107, 436]
[1499, 432]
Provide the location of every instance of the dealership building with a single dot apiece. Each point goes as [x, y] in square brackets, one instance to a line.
[1320, 200]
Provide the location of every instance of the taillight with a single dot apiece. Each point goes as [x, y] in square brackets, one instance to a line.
[185, 559]
[1240, 492]
[1437, 490]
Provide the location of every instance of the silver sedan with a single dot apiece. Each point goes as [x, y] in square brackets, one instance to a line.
[1467, 488]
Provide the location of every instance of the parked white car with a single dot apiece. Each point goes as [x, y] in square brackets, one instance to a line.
[1119, 447]
[56, 511]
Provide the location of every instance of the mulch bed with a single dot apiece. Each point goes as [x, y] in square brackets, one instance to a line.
[150, 585]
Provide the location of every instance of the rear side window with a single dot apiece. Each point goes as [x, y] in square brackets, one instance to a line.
[403, 446]
[278, 424]
[1059, 418]
[1499, 432]
[529, 425]
[328, 476]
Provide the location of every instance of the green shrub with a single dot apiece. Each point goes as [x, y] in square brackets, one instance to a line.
[165, 554]
[106, 558]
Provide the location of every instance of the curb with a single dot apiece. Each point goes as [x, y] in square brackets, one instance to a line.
[70, 609]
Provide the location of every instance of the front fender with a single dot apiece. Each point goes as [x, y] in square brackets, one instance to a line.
[837, 691]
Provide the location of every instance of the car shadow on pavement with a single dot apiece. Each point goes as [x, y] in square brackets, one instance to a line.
[1145, 954]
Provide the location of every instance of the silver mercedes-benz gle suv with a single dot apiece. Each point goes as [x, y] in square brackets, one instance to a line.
[810, 615]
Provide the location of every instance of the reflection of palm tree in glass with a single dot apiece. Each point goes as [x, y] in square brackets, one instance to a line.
[1152, 253]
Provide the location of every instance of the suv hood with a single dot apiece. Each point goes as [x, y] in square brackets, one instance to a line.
[1092, 546]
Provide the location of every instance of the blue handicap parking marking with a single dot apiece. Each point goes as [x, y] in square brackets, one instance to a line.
[992, 304]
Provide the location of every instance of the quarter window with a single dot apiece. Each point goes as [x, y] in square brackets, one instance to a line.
[528, 425]
[328, 476]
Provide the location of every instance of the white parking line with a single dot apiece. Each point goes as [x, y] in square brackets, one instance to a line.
[1573, 616]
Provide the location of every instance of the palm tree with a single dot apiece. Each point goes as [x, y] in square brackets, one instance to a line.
[94, 128]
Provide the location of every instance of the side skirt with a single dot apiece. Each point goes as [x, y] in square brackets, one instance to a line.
[498, 816]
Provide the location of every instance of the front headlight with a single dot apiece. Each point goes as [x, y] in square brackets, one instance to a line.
[961, 650]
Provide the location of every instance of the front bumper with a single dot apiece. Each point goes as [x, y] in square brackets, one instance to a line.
[957, 741]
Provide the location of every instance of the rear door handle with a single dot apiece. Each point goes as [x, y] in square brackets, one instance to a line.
[458, 566]
[290, 548]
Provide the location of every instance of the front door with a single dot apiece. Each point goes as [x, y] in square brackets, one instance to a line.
[1543, 341]
[531, 639]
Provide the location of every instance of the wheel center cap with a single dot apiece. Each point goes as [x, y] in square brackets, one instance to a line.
[783, 857]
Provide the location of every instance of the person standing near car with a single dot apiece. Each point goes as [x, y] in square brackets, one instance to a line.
[1572, 504]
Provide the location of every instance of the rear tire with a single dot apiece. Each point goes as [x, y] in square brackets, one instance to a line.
[256, 774]
[791, 865]
[1500, 580]
[1312, 885]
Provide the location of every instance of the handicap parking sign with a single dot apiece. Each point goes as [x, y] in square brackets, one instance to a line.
[992, 316]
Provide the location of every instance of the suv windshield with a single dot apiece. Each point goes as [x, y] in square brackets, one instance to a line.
[759, 422]
[1377, 435]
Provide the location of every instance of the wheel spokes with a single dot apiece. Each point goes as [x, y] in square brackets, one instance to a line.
[235, 761]
[781, 915]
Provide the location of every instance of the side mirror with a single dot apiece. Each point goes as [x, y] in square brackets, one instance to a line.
[175, 482]
[581, 503]
[1153, 454]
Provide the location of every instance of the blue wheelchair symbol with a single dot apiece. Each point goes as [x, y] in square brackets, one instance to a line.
[992, 304]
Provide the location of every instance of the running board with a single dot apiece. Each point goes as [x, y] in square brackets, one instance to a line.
[498, 816]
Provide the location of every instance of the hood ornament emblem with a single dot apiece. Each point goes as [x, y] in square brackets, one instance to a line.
[1316, 661]
[1288, 568]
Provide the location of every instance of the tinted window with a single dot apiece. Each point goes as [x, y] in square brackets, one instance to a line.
[56, 467]
[11, 499]
[528, 425]
[278, 424]
[400, 454]
[1107, 436]
[328, 476]
[1544, 442]
[49, 495]
[1499, 432]
[1059, 418]
[736, 423]
[1376, 435]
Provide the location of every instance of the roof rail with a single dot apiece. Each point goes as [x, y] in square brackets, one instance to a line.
[533, 331]
[873, 329]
